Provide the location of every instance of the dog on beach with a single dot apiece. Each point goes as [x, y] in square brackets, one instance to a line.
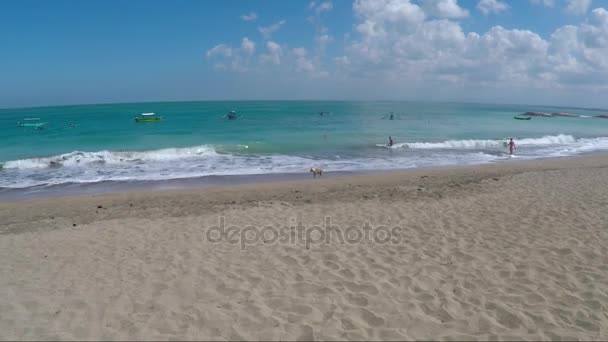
[316, 171]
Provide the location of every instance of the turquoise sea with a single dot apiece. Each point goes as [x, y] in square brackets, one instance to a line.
[102, 143]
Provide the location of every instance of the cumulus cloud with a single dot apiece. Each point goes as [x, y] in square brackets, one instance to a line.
[247, 46]
[439, 50]
[381, 12]
[273, 54]
[299, 52]
[219, 50]
[578, 7]
[228, 58]
[321, 37]
[249, 16]
[324, 39]
[269, 30]
[492, 6]
[403, 43]
[324, 7]
[547, 3]
[302, 63]
[444, 9]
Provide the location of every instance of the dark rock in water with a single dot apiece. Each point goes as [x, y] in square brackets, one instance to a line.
[567, 115]
[603, 116]
[542, 114]
[99, 207]
[73, 224]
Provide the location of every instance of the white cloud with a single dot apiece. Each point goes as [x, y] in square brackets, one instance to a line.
[228, 58]
[578, 7]
[492, 6]
[438, 50]
[247, 46]
[302, 63]
[249, 17]
[219, 50]
[269, 30]
[547, 3]
[397, 45]
[324, 39]
[342, 61]
[324, 7]
[444, 9]
[379, 12]
[273, 55]
[299, 52]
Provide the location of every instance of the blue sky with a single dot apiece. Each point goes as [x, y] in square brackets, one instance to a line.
[521, 51]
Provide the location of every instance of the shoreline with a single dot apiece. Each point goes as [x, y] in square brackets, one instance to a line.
[300, 190]
[221, 181]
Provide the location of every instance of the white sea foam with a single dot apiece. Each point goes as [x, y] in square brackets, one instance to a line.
[78, 158]
[485, 144]
[200, 161]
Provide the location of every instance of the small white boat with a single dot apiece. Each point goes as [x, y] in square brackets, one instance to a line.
[31, 122]
[147, 117]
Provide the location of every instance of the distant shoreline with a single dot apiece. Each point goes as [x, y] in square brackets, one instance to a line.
[303, 100]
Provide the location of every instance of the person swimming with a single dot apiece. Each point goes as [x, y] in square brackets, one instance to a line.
[391, 117]
[390, 142]
[231, 115]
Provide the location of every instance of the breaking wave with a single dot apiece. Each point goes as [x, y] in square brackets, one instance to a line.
[209, 160]
[485, 144]
[113, 157]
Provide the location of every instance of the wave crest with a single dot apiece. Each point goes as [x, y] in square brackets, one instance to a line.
[112, 157]
[561, 139]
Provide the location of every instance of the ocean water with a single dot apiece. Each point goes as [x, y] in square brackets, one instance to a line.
[102, 143]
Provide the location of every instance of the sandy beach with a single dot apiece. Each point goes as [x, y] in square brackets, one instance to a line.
[503, 251]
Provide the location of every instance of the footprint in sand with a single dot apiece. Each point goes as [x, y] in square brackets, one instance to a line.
[306, 334]
[368, 289]
[301, 309]
[371, 319]
[356, 300]
[347, 324]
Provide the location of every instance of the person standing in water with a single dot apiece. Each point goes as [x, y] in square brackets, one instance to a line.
[511, 146]
[390, 142]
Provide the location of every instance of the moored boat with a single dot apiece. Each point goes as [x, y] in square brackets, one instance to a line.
[147, 117]
[31, 122]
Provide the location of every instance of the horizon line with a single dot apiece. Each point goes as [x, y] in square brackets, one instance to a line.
[302, 100]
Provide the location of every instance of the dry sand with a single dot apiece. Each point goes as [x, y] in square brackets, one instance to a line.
[509, 251]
